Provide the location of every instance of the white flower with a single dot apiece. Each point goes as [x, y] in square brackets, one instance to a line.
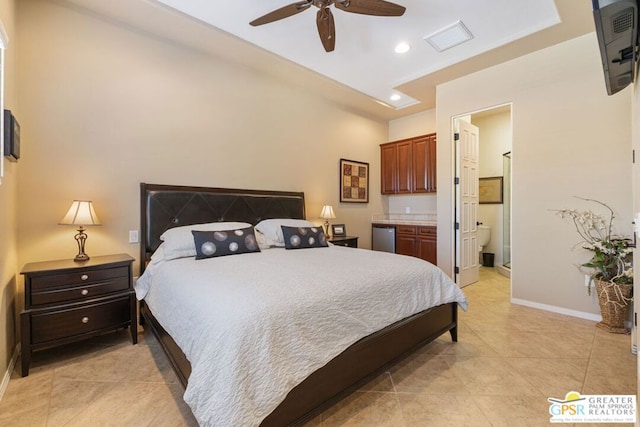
[611, 258]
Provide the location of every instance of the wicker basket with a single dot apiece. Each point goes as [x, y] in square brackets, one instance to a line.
[612, 307]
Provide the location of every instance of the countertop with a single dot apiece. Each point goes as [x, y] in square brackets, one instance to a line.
[427, 219]
[405, 222]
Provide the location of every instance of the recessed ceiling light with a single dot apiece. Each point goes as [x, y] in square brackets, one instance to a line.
[449, 36]
[402, 47]
[395, 97]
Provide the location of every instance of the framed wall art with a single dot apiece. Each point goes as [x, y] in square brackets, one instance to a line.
[490, 190]
[354, 181]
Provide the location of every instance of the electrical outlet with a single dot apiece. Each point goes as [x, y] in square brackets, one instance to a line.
[587, 280]
[407, 210]
[133, 236]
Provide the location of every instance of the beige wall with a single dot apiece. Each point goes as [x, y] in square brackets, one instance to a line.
[8, 205]
[569, 139]
[106, 107]
[413, 125]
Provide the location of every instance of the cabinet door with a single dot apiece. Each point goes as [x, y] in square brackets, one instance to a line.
[428, 250]
[420, 171]
[431, 162]
[389, 172]
[427, 244]
[405, 167]
[406, 245]
[406, 240]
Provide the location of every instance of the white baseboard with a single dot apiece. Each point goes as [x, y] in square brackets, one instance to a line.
[7, 374]
[559, 310]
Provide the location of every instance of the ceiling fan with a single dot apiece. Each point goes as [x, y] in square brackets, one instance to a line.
[324, 18]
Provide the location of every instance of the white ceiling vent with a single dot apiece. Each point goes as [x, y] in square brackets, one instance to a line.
[450, 36]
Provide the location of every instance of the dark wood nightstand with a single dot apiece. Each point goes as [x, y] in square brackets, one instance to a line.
[350, 241]
[68, 301]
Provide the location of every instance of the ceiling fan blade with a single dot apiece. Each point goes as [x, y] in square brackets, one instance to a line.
[283, 12]
[326, 28]
[370, 7]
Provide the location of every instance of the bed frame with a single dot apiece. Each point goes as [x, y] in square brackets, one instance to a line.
[166, 206]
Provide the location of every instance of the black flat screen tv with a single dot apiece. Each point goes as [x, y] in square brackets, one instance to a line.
[617, 31]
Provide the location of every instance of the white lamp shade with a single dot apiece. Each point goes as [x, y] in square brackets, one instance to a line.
[327, 212]
[80, 213]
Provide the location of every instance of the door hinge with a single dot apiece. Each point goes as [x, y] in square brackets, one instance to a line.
[457, 270]
[457, 226]
[633, 156]
[456, 180]
[456, 136]
[635, 319]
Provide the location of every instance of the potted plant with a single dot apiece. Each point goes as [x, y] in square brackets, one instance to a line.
[610, 266]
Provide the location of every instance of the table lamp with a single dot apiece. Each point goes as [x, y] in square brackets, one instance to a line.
[80, 213]
[327, 214]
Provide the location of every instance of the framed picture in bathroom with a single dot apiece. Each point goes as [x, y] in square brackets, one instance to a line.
[490, 190]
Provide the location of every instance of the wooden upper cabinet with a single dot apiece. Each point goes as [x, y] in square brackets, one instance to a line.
[389, 173]
[409, 165]
[431, 164]
[420, 172]
[405, 168]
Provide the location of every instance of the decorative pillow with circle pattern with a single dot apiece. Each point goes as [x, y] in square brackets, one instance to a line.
[211, 244]
[178, 241]
[272, 229]
[304, 237]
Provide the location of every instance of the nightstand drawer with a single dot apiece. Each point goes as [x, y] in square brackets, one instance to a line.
[78, 293]
[54, 325]
[78, 278]
[349, 243]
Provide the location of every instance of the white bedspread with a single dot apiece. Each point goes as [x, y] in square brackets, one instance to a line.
[255, 325]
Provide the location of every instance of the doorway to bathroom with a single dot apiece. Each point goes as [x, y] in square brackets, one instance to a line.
[494, 176]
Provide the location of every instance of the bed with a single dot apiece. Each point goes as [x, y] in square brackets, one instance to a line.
[349, 365]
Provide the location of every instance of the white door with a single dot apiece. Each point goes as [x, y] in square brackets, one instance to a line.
[467, 152]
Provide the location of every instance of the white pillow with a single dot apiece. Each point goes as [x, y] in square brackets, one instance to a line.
[179, 243]
[158, 255]
[262, 241]
[271, 228]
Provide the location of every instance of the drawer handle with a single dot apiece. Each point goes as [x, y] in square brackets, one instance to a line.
[84, 277]
[85, 292]
[85, 320]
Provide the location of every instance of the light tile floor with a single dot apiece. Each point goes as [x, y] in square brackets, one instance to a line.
[506, 363]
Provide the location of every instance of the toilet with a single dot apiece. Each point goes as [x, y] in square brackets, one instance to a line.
[484, 235]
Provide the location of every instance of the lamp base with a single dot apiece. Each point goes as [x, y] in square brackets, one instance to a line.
[81, 238]
[81, 258]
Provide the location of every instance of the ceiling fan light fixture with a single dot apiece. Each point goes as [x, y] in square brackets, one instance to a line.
[324, 19]
[402, 47]
[449, 36]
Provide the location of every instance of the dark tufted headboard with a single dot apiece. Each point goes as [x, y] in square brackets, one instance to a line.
[167, 206]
